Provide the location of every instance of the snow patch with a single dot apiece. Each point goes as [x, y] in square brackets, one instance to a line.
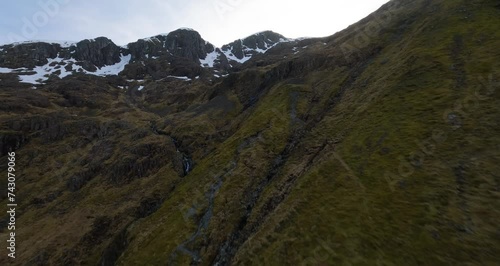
[231, 56]
[4, 70]
[286, 40]
[247, 51]
[300, 39]
[113, 69]
[140, 88]
[181, 78]
[58, 65]
[42, 73]
[153, 39]
[209, 60]
[63, 44]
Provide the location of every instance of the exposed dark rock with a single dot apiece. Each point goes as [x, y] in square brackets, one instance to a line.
[177, 54]
[100, 52]
[28, 55]
[184, 68]
[188, 44]
[115, 249]
[149, 206]
[11, 141]
[79, 180]
[99, 231]
[262, 40]
[148, 48]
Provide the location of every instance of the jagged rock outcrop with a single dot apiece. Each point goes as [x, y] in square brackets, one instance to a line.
[11, 141]
[188, 44]
[28, 55]
[253, 44]
[148, 48]
[100, 52]
[185, 43]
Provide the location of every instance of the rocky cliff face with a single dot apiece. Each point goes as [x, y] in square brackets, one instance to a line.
[148, 48]
[27, 55]
[99, 52]
[146, 55]
[188, 44]
[184, 44]
[241, 50]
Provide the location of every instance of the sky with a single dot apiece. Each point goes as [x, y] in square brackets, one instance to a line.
[218, 21]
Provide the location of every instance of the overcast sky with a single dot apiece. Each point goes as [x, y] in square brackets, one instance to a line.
[218, 21]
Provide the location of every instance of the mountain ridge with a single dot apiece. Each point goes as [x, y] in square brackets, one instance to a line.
[90, 55]
[67, 43]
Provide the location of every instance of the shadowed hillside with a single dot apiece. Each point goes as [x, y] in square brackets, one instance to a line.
[378, 145]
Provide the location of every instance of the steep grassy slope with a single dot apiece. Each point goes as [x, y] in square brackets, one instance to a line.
[377, 145]
[384, 152]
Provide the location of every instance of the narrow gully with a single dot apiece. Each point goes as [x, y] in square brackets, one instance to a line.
[204, 221]
[187, 162]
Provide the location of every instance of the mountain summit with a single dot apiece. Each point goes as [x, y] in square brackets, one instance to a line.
[244, 49]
